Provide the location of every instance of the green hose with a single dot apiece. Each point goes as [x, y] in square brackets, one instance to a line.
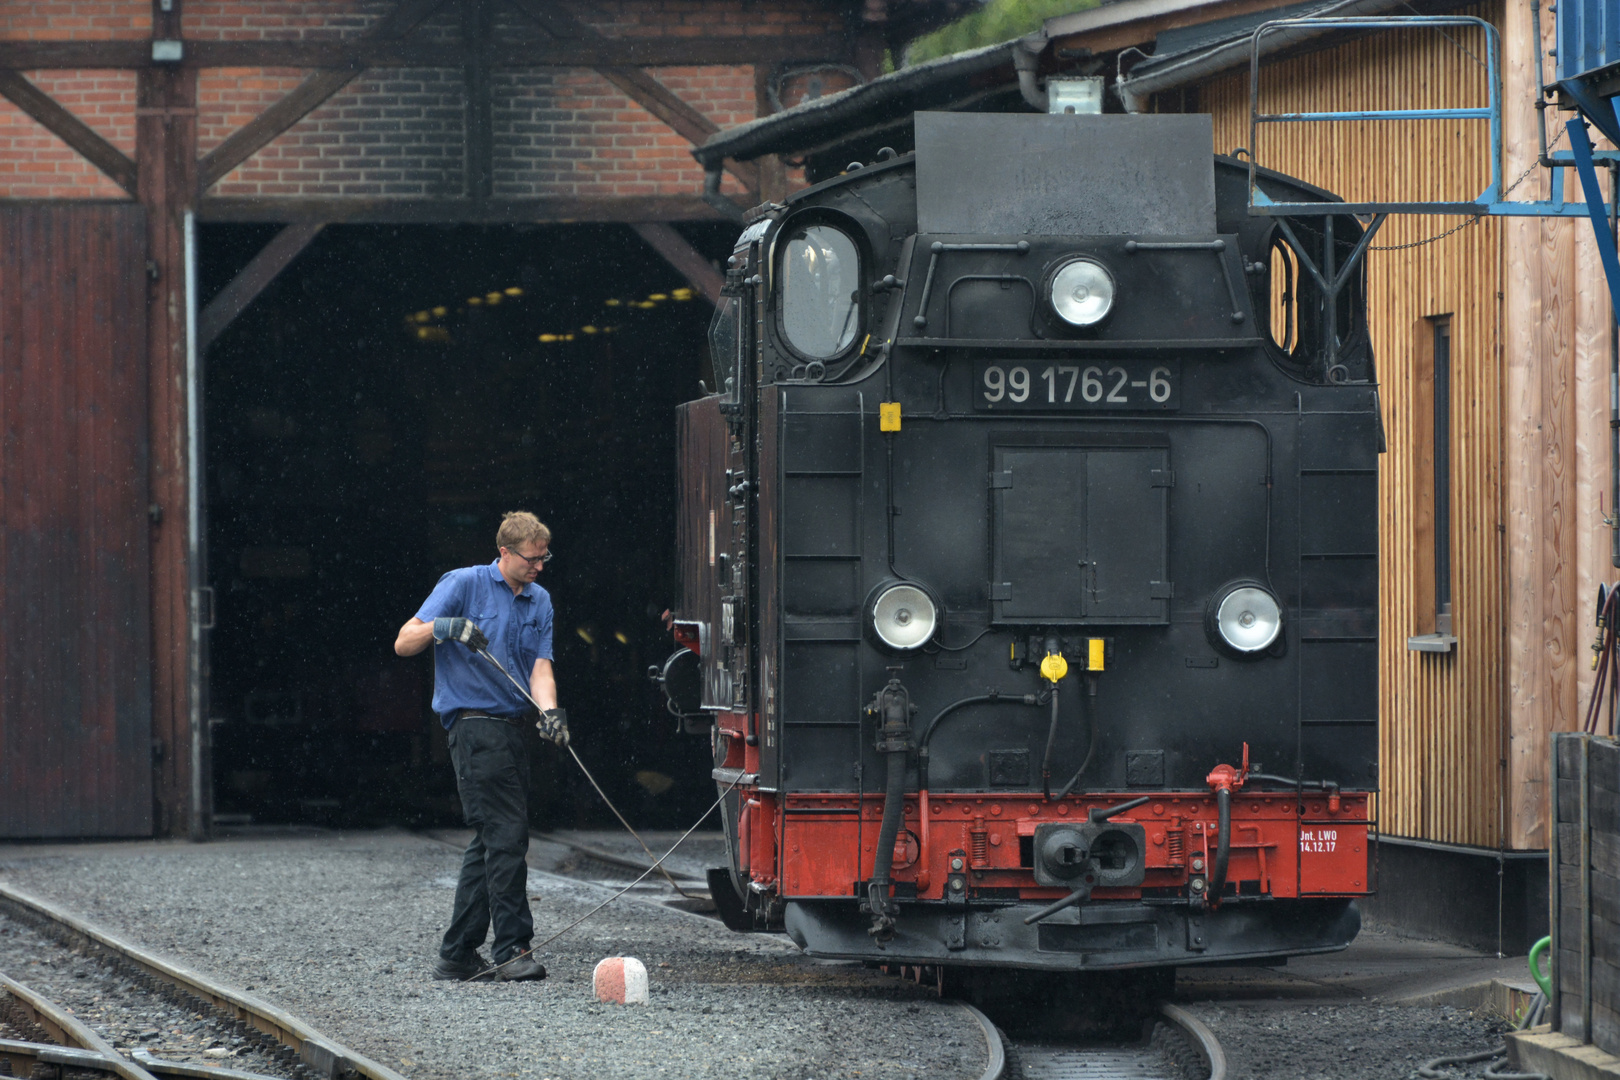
[1543, 981]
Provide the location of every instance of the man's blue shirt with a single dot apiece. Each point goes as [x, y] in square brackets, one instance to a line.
[519, 631]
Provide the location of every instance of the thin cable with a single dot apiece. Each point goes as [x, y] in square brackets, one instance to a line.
[485, 653]
[535, 948]
[974, 640]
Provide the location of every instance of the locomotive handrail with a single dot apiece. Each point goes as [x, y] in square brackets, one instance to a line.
[1489, 203]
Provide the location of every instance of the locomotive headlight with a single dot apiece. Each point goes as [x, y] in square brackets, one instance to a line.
[903, 616]
[1246, 618]
[1082, 292]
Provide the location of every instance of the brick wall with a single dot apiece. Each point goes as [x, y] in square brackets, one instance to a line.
[398, 132]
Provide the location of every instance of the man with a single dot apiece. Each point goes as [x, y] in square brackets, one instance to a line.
[497, 608]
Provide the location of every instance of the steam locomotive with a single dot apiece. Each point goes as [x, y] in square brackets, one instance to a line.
[1028, 556]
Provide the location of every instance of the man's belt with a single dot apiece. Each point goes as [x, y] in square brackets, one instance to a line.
[480, 714]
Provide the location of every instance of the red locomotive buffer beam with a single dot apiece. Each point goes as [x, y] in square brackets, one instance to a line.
[1281, 846]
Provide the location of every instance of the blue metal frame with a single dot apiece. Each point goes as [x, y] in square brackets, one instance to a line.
[1489, 203]
[1581, 145]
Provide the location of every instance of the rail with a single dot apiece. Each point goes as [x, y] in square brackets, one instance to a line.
[324, 1056]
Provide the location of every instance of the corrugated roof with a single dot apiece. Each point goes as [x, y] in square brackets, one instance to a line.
[936, 84]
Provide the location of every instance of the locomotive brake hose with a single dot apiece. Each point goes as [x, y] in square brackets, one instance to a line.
[1051, 740]
[894, 805]
[658, 865]
[892, 709]
[1091, 752]
[1223, 842]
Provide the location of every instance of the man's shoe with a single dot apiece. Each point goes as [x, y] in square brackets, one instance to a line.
[460, 970]
[521, 968]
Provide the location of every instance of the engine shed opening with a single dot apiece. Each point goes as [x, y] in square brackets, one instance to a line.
[367, 421]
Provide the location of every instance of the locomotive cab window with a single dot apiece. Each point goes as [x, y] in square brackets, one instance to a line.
[820, 276]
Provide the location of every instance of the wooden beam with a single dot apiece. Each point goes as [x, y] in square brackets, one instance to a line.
[259, 132]
[246, 286]
[304, 99]
[679, 253]
[637, 84]
[69, 128]
[726, 51]
[479, 132]
[621, 209]
[166, 157]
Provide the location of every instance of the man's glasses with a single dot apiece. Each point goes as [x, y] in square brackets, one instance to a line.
[540, 559]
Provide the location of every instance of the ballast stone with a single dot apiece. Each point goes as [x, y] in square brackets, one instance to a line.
[621, 980]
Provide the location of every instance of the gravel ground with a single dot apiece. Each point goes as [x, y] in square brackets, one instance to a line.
[123, 1011]
[342, 929]
[1280, 1040]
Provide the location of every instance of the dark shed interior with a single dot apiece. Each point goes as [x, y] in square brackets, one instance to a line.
[368, 420]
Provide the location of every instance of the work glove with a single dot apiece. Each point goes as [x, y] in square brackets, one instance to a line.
[553, 726]
[458, 629]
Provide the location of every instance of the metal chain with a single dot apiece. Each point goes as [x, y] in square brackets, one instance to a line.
[1475, 218]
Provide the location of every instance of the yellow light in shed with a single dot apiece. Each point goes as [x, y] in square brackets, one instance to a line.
[568, 337]
[513, 290]
[682, 294]
[585, 636]
[645, 304]
[422, 316]
[587, 329]
[474, 301]
[440, 312]
[548, 338]
[619, 636]
[659, 296]
[492, 298]
[610, 302]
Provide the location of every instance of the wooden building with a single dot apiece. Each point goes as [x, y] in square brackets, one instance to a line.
[127, 124]
[1492, 338]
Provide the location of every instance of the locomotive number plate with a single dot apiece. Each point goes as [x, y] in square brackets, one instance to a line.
[1050, 384]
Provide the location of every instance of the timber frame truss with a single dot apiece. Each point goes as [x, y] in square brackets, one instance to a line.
[167, 174]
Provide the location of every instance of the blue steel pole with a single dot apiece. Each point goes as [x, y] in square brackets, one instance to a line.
[1582, 147]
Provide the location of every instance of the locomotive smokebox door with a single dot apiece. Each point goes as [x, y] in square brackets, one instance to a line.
[1080, 535]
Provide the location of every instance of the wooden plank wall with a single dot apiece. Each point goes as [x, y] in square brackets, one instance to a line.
[1442, 730]
[75, 683]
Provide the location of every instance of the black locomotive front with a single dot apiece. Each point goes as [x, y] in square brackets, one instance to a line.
[1035, 510]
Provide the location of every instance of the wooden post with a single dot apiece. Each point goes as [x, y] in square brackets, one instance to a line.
[166, 157]
[1545, 634]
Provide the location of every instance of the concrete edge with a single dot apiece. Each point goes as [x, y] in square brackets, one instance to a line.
[1508, 999]
[1552, 1052]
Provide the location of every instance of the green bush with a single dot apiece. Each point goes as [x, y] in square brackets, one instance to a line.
[998, 20]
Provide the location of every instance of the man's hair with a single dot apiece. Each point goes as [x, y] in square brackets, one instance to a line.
[521, 527]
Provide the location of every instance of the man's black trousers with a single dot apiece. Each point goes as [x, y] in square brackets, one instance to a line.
[491, 758]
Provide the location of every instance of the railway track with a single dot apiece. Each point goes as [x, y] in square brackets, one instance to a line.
[239, 1017]
[1180, 1047]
